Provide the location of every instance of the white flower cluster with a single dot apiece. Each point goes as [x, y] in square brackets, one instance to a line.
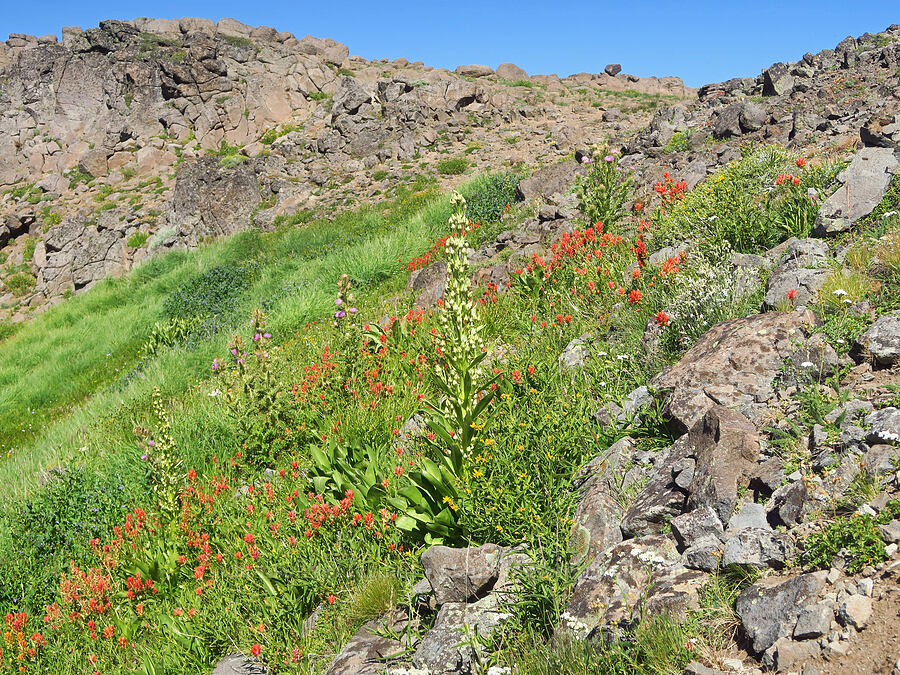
[459, 320]
[498, 670]
[579, 629]
[706, 293]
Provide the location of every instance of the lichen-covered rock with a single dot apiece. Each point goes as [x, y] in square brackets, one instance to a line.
[758, 547]
[733, 365]
[883, 426]
[726, 446]
[640, 577]
[769, 608]
[662, 498]
[212, 200]
[238, 664]
[698, 524]
[368, 651]
[461, 574]
[448, 647]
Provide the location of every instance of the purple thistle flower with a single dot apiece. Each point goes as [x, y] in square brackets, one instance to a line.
[608, 158]
[151, 443]
[339, 302]
[234, 352]
[586, 160]
[144, 457]
[267, 335]
[340, 315]
[352, 310]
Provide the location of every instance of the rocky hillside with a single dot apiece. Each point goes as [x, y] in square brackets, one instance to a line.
[631, 404]
[150, 134]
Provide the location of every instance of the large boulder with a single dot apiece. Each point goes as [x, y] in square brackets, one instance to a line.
[881, 342]
[881, 132]
[769, 608]
[428, 283]
[864, 184]
[802, 267]
[733, 364]
[549, 183]
[510, 71]
[598, 514]
[368, 650]
[474, 70]
[737, 119]
[461, 574]
[726, 447]
[777, 80]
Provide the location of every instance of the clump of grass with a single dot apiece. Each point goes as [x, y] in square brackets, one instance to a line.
[453, 166]
[137, 240]
[374, 596]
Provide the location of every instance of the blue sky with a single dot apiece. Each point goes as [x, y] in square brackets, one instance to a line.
[702, 41]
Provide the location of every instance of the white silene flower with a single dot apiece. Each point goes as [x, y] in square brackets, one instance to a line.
[839, 292]
[807, 364]
[498, 670]
[214, 393]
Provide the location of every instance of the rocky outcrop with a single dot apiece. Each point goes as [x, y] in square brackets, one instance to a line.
[640, 577]
[880, 343]
[135, 109]
[733, 364]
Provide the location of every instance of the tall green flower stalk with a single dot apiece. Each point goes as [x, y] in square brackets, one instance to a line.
[161, 455]
[465, 392]
[605, 190]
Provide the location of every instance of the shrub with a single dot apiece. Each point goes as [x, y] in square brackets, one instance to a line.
[452, 166]
[160, 236]
[28, 251]
[319, 95]
[492, 197]
[681, 142]
[238, 41]
[857, 535]
[19, 283]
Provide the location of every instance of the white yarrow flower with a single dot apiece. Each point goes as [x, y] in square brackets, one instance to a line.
[839, 292]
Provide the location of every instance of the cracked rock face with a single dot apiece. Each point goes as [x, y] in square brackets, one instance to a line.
[733, 365]
[865, 183]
